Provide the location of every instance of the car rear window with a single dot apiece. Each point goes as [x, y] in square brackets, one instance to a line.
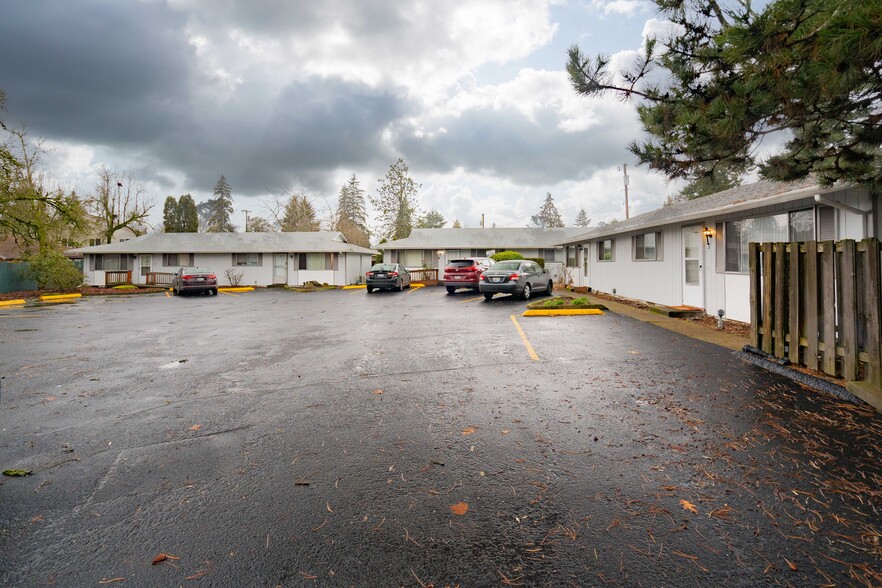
[461, 263]
[507, 265]
[383, 267]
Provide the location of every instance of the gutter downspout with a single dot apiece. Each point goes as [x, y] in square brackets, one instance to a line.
[847, 208]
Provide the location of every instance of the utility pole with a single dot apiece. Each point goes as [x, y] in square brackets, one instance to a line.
[246, 219]
[482, 220]
[627, 208]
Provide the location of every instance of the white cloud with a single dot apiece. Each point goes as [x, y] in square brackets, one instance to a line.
[625, 7]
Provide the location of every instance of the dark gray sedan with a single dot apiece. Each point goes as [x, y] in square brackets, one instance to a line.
[390, 276]
[194, 279]
[518, 277]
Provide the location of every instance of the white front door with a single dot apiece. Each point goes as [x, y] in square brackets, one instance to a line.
[693, 267]
[280, 268]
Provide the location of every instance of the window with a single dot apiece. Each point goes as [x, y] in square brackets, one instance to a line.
[572, 261]
[93, 242]
[787, 227]
[247, 259]
[646, 247]
[112, 262]
[548, 254]
[145, 264]
[605, 250]
[318, 261]
[177, 260]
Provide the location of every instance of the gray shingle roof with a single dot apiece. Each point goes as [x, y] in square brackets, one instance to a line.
[323, 241]
[735, 199]
[509, 238]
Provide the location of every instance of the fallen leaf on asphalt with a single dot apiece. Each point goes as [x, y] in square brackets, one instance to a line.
[111, 580]
[790, 564]
[17, 473]
[328, 506]
[378, 391]
[308, 576]
[460, 508]
[505, 431]
[468, 430]
[195, 427]
[36, 519]
[689, 506]
[163, 557]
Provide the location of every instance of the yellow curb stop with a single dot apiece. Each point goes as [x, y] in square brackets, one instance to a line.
[12, 302]
[59, 297]
[355, 287]
[237, 289]
[562, 312]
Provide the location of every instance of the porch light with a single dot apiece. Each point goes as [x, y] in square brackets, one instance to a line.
[708, 233]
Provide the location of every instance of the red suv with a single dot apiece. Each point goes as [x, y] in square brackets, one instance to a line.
[465, 273]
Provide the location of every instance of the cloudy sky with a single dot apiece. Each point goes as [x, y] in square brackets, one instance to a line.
[290, 95]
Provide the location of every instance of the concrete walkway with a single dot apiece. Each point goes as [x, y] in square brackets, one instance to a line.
[684, 327]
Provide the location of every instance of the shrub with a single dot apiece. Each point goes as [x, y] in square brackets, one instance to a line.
[580, 301]
[234, 276]
[539, 260]
[50, 269]
[555, 302]
[506, 255]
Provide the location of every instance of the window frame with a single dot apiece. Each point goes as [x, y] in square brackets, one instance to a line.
[243, 260]
[601, 250]
[636, 247]
[790, 234]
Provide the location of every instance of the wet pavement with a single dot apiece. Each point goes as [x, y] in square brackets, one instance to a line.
[337, 438]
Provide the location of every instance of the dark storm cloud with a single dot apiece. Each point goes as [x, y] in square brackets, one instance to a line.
[312, 128]
[507, 144]
[92, 71]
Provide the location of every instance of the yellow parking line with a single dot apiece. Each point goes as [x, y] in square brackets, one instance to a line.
[167, 294]
[414, 288]
[228, 294]
[469, 300]
[526, 341]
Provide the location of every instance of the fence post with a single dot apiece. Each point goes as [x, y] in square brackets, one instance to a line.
[795, 289]
[811, 305]
[768, 302]
[828, 304]
[755, 294]
[870, 389]
[848, 310]
[780, 296]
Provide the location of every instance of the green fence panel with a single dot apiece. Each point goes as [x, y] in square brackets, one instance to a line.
[11, 280]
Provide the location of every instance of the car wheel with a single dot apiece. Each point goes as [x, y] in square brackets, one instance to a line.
[214, 292]
[174, 291]
[451, 289]
[550, 287]
[527, 292]
[370, 290]
[488, 295]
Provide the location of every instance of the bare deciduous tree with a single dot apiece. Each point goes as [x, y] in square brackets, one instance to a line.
[119, 202]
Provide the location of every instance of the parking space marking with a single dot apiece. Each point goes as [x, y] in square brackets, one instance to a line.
[228, 294]
[167, 295]
[470, 300]
[414, 287]
[526, 341]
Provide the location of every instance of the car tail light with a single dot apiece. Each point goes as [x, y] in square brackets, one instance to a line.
[482, 278]
[211, 277]
[514, 276]
[393, 274]
[370, 274]
[186, 277]
[474, 268]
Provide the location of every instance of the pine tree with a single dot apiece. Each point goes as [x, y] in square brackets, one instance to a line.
[221, 208]
[730, 75]
[351, 217]
[548, 216]
[396, 202]
[188, 217]
[582, 219]
[299, 215]
[431, 220]
[170, 221]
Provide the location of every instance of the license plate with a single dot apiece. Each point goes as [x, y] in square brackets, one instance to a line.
[381, 275]
[495, 280]
[200, 279]
[457, 277]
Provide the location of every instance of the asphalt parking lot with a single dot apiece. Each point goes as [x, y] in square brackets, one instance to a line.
[273, 438]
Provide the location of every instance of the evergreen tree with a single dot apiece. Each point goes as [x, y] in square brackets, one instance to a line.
[582, 219]
[396, 201]
[188, 217]
[733, 75]
[548, 216]
[170, 222]
[431, 220]
[299, 215]
[351, 217]
[221, 208]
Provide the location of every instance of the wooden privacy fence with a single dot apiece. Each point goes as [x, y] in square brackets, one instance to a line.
[425, 276]
[817, 304]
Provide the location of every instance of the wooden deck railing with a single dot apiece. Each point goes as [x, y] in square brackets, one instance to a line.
[817, 304]
[117, 278]
[159, 278]
[425, 276]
